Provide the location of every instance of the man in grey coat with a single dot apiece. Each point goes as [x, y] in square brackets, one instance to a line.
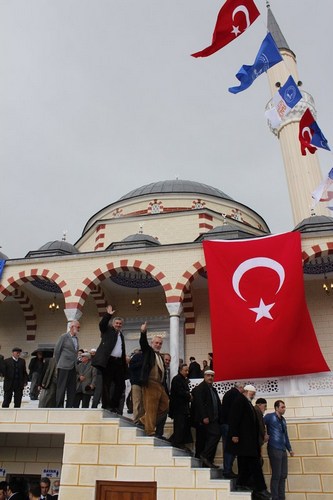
[65, 353]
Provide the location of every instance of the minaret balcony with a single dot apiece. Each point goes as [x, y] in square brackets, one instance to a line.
[295, 114]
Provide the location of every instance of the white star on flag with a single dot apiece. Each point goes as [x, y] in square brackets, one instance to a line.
[262, 310]
[235, 30]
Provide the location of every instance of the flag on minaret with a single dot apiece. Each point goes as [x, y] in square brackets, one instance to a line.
[233, 19]
[283, 102]
[323, 187]
[260, 323]
[310, 135]
[268, 56]
[2, 265]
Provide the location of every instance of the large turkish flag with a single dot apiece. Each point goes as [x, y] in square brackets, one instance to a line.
[259, 319]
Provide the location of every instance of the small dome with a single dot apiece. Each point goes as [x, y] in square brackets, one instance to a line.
[175, 186]
[315, 223]
[3, 256]
[135, 240]
[54, 248]
[141, 237]
[227, 232]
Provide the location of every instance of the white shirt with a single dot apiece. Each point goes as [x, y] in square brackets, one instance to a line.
[117, 351]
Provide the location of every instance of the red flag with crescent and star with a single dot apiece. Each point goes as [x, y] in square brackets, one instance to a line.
[260, 323]
[233, 19]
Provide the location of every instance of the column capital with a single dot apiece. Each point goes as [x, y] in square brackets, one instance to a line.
[72, 314]
[174, 308]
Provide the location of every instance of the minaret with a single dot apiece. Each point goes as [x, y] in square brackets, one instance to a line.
[303, 172]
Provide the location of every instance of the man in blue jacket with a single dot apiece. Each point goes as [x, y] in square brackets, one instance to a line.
[278, 444]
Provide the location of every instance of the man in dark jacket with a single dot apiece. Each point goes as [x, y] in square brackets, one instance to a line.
[110, 358]
[15, 378]
[155, 399]
[244, 442]
[206, 417]
[179, 410]
[227, 401]
[194, 369]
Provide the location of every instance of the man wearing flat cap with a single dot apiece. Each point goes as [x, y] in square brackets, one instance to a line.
[15, 378]
[206, 417]
[86, 381]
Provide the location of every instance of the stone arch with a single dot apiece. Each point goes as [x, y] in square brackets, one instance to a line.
[320, 250]
[100, 274]
[14, 282]
[188, 310]
[28, 311]
[186, 279]
[99, 298]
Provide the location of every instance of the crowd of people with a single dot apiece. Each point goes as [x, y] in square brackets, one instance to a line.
[74, 377]
[19, 489]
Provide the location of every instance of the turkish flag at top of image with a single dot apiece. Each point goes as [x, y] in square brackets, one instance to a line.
[233, 19]
[260, 323]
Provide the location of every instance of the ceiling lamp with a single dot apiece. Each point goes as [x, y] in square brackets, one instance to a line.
[53, 306]
[137, 302]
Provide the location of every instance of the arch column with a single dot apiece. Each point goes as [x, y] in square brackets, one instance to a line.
[175, 309]
[72, 314]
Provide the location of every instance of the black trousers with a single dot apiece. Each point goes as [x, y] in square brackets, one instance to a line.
[113, 375]
[7, 397]
[250, 472]
[207, 439]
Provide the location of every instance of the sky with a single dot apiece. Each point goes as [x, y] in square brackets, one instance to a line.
[100, 97]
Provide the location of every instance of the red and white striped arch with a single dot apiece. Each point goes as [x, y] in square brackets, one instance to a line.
[14, 282]
[100, 300]
[28, 311]
[188, 311]
[317, 251]
[188, 276]
[111, 269]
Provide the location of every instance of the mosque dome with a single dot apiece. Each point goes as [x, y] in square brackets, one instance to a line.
[175, 186]
[54, 248]
[3, 256]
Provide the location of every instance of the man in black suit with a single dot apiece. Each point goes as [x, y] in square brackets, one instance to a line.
[15, 378]
[110, 358]
[194, 369]
[206, 416]
[243, 441]
[179, 409]
[45, 485]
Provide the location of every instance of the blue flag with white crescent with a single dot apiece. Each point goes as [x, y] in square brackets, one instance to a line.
[2, 265]
[268, 56]
[283, 102]
[318, 139]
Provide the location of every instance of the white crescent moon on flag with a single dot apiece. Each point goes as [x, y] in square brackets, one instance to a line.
[242, 8]
[308, 130]
[252, 264]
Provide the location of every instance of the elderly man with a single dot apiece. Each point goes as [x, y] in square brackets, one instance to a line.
[65, 353]
[206, 416]
[86, 381]
[155, 398]
[16, 377]
[110, 358]
[244, 434]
